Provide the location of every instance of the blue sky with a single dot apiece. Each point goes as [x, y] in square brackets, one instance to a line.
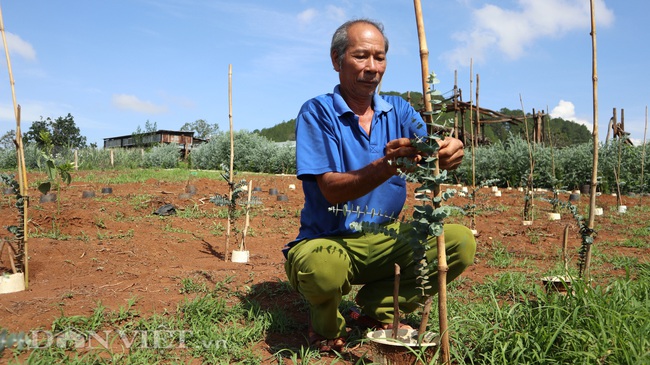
[114, 65]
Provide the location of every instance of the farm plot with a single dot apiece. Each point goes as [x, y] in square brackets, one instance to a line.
[108, 263]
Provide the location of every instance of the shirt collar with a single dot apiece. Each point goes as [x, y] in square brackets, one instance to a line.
[341, 107]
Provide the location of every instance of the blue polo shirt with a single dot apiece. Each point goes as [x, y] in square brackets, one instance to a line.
[330, 139]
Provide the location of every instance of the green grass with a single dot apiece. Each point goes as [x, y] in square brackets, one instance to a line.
[501, 258]
[142, 175]
[509, 319]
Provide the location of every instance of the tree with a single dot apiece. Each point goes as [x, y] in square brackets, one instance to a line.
[66, 133]
[201, 128]
[140, 136]
[33, 135]
[7, 140]
[63, 130]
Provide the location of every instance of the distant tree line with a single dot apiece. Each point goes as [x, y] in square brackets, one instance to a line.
[562, 132]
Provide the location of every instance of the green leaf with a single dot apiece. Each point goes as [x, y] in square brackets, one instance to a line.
[45, 187]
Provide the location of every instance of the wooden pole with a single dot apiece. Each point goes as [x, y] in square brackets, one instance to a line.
[396, 315]
[424, 61]
[550, 144]
[242, 247]
[462, 118]
[442, 255]
[528, 191]
[472, 222]
[232, 158]
[20, 158]
[645, 130]
[565, 257]
[478, 133]
[456, 104]
[594, 168]
[619, 199]
[622, 120]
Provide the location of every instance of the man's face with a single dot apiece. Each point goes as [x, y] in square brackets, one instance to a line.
[363, 63]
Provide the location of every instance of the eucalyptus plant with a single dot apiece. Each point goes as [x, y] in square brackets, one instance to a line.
[231, 200]
[587, 234]
[18, 251]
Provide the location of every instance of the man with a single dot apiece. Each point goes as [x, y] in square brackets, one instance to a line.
[347, 143]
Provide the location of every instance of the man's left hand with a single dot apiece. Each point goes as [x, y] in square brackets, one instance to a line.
[451, 153]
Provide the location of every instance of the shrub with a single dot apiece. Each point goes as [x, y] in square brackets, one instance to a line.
[8, 159]
[163, 156]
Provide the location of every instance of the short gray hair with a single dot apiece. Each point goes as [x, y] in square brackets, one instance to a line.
[341, 41]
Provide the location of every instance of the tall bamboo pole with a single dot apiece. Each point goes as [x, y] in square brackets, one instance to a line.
[645, 130]
[594, 169]
[20, 158]
[528, 191]
[478, 111]
[442, 255]
[232, 157]
[424, 60]
[456, 104]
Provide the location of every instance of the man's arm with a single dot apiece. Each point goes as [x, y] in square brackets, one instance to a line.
[340, 187]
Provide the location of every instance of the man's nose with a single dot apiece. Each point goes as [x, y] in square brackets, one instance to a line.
[371, 65]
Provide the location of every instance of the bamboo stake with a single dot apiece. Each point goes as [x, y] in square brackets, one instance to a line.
[565, 243]
[456, 104]
[424, 60]
[442, 255]
[645, 130]
[20, 156]
[472, 222]
[594, 169]
[242, 247]
[619, 199]
[550, 143]
[529, 191]
[478, 111]
[232, 158]
[396, 315]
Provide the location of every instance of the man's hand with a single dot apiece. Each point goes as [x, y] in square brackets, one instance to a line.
[450, 154]
[401, 148]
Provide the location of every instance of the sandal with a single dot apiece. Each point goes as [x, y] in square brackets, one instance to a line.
[325, 345]
[365, 321]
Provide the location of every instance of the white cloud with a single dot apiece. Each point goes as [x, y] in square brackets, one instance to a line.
[512, 31]
[566, 110]
[131, 102]
[20, 47]
[307, 16]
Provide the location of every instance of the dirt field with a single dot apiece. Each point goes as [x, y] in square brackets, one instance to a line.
[111, 248]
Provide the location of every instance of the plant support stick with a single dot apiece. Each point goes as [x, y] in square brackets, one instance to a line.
[22, 170]
[442, 257]
[242, 247]
[232, 158]
[594, 169]
[396, 315]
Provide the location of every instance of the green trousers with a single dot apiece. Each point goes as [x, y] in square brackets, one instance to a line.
[323, 270]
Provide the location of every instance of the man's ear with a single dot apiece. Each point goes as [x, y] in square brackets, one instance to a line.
[335, 61]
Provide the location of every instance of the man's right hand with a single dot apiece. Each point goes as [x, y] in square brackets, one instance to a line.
[401, 148]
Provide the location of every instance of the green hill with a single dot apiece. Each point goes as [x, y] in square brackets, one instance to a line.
[563, 132]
